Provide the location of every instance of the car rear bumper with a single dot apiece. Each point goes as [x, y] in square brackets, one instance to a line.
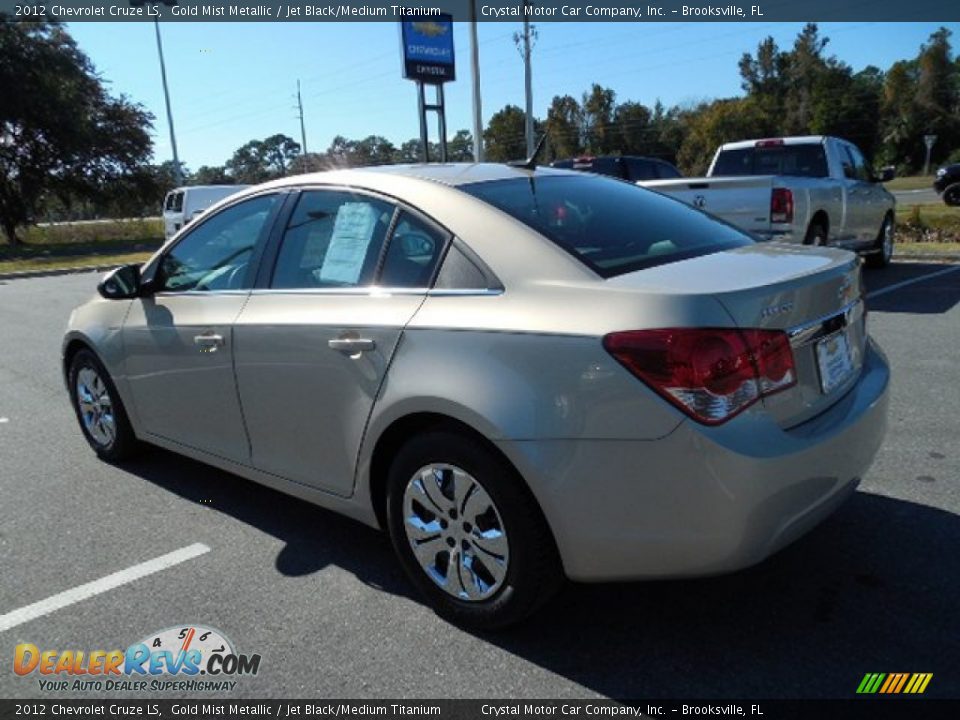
[702, 500]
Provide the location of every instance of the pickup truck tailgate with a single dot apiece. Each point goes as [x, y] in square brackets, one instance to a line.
[741, 201]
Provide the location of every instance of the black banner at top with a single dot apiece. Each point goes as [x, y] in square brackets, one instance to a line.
[629, 11]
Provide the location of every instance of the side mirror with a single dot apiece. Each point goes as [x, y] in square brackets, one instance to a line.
[887, 174]
[122, 283]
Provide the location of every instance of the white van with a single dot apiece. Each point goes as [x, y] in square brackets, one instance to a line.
[184, 204]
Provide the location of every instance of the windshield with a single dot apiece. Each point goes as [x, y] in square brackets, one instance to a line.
[611, 226]
[799, 160]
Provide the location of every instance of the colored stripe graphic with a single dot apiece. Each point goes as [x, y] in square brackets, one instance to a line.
[894, 683]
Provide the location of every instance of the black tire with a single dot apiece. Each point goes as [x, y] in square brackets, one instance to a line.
[883, 250]
[122, 443]
[533, 571]
[816, 234]
[951, 194]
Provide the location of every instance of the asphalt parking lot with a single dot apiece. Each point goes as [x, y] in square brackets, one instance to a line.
[320, 598]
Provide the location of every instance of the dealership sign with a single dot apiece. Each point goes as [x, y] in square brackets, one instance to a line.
[428, 49]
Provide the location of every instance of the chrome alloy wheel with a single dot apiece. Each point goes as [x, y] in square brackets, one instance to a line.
[96, 407]
[456, 532]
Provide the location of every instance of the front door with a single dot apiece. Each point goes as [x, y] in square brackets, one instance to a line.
[313, 347]
[179, 340]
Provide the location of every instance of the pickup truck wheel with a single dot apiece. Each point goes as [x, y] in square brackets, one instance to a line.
[951, 196]
[883, 250]
[816, 235]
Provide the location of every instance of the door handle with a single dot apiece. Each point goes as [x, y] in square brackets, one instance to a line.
[352, 345]
[209, 342]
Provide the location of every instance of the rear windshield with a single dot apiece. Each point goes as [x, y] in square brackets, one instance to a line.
[612, 227]
[800, 160]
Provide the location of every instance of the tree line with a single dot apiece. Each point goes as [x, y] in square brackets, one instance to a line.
[68, 148]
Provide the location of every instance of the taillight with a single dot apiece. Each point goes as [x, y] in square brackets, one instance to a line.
[711, 374]
[781, 205]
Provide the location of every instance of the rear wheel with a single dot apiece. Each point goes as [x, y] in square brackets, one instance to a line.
[951, 196]
[816, 234]
[99, 409]
[883, 251]
[468, 533]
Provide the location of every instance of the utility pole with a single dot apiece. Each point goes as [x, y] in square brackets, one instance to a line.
[528, 78]
[303, 128]
[177, 172]
[475, 68]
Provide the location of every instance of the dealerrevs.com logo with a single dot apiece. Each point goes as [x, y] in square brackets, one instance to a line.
[183, 658]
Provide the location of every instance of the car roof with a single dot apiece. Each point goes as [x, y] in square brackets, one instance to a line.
[450, 174]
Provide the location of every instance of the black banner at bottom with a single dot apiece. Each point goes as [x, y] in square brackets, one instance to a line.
[853, 709]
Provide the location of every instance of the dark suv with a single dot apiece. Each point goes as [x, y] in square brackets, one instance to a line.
[625, 167]
[947, 183]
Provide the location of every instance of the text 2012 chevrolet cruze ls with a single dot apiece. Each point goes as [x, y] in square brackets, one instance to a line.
[522, 374]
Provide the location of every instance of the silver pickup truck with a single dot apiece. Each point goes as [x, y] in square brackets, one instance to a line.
[816, 190]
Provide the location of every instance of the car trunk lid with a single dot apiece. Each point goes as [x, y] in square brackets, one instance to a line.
[813, 294]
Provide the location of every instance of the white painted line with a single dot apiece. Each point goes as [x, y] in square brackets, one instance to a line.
[104, 584]
[904, 283]
[4, 419]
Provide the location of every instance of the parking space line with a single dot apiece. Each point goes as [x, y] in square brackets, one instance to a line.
[104, 584]
[911, 281]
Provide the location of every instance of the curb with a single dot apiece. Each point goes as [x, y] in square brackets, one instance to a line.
[25, 274]
[935, 257]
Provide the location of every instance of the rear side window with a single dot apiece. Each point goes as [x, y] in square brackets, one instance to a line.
[412, 254]
[333, 239]
[641, 169]
[612, 227]
[798, 160]
[667, 171]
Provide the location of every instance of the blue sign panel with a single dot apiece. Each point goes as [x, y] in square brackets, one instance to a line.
[428, 49]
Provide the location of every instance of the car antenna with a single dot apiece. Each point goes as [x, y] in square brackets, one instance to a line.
[531, 162]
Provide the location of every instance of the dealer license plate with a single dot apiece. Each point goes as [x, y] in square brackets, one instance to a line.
[835, 361]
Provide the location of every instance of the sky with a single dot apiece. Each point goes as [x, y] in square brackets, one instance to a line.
[235, 82]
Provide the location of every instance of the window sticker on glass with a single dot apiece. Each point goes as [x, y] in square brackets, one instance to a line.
[352, 233]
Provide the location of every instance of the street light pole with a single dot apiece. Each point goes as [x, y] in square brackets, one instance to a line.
[177, 172]
[475, 67]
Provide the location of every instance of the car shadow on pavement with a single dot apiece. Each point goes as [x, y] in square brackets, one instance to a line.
[315, 538]
[926, 297]
[873, 589]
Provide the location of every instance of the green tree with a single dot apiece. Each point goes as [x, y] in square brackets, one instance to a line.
[598, 106]
[460, 147]
[713, 124]
[372, 150]
[564, 124]
[262, 160]
[61, 133]
[505, 135]
[632, 122]
[211, 175]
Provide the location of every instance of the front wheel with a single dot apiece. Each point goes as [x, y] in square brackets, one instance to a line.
[951, 196]
[99, 409]
[468, 533]
[883, 251]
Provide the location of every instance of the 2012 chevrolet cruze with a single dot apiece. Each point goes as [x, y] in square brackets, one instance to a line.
[523, 374]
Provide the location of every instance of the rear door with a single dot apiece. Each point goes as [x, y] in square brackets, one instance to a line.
[317, 335]
[178, 341]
